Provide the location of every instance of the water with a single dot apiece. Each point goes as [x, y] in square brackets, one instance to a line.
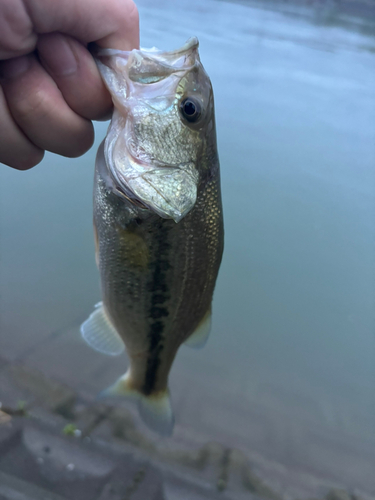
[288, 374]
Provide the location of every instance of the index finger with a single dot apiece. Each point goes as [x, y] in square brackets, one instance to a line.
[109, 23]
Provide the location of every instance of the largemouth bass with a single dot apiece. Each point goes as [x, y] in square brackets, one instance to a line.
[157, 218]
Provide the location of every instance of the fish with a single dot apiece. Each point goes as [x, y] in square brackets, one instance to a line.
[158, 220]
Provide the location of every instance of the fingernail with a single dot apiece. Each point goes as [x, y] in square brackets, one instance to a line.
[12, 68]
[56, 53]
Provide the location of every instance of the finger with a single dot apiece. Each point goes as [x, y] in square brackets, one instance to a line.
[17, 36]
[15, 148]
[126, 34]
[110, 23]
[75, 73]
[40, 111]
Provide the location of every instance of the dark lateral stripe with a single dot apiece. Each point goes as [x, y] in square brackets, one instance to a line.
[158, 287]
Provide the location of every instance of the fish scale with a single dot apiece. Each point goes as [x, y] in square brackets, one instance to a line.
[158, 221]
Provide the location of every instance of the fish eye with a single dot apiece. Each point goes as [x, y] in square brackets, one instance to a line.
[190, 109]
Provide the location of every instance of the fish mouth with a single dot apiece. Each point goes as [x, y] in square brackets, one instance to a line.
[169, 190]
[121, 70]
[189, 46]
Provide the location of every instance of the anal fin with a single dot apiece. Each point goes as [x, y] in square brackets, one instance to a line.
[100, 334]
[199, 337]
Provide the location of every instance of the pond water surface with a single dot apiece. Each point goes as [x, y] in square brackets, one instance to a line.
[288, 374]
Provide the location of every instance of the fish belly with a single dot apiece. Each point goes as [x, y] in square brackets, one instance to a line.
[157, 276]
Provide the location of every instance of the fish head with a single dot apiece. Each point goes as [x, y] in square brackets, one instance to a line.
[163, 112]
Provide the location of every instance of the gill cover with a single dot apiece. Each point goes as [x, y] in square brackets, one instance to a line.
[150, 150]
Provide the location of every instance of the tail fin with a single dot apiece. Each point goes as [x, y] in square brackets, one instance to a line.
[155, 410]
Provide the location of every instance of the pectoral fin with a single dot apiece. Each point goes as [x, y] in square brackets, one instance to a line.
[198, 339]
[100, 334]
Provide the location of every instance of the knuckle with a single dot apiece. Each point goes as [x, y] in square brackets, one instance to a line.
[128, 12]
[133, 14]
[16, 31]
[31, 107]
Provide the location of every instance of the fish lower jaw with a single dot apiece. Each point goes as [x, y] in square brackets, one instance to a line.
[170, 191]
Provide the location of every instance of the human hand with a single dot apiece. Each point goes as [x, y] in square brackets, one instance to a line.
[50, 87]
